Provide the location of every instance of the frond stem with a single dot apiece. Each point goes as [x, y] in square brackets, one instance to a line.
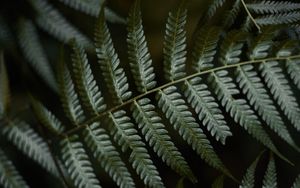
[250, 16]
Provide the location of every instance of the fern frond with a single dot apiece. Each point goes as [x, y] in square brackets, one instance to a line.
[175, 44]
[114, 76]
[104, 151]
[248, 179]
[139, 56]
[176, 111]
[205, 48]
[9, 176]
[293, 69]
[253, 87]
[30, 143]
[281, 91]
[280, 18]
[231, 15]
[68, 96]
[297, 182]
[92, 7]
[55, 24]
[78, 164]
[127, 137]
[270, 179]
[219, 182]
[207, 108]
[212, 9]
[47, 118]
[84, 81]
[238, 109]
[267, 6]
[231, 48]
[4, 88]
[34, 53]
[157, 136]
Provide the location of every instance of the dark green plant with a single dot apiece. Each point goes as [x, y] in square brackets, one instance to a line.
[238, 71]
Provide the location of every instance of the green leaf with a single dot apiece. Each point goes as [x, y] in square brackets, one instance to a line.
[9, 176]
[107, 155]
[253, 87]
[157, 136]
[293, 69]
[4, 88]
[282, 92]
[34, 53]
[30, 143]
[270, 179]
[205, 48]
[139, 56]
[114, 76]
[127, 137]
[207, 108]
[88, 90]
[271, 7]
[248, 179]
[280, 18]
[175, 44]
[78, 163]
[232, 14]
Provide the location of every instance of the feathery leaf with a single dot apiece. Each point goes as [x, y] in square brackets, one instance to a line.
[293, 69]
[280, 18]
[270, 179]
[248, 179]
[296, 184]
[267, 6]
[139, 56]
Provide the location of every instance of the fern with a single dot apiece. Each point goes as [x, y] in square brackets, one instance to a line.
[4, 88]
[273, 6]
[296, 183]
[9, 176]
[270, 179]
[219, 182]
[248, 179]
[293, 68]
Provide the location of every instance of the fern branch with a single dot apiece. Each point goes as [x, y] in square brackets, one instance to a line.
[270, 179]
[280, 18]
[212, 9]
[127, 137]
[78, 164]
[293, 69]
[68, 96]
[139, 56]
[105, 152]
[30, 143]
[207, 108]
[248, 179]
[34, 53]
[84, 81]
[231, 15]
[157, 136]
[252, 86]
[281, 91]
[297, 182]
[239, 110]
[218, 182]
[253, 21]
[267, 6]
[4, 88]
[114, 76]
[176, 111]
[175, 44]
[9, 176]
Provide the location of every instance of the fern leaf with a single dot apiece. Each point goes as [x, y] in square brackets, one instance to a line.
[92, 7]
[253, 87]
[114, 76]
[78, 164]
[267, 6]
[84, 80]
[231, 15]
[281, 91]
[104, 151]
[297, 182]
[248, 179]
[176, 111]
[34, 53]
[205, 48]
[50, 20]
[207, 108]
[4, 88]
[231, 48]
[47, 118]
[212, 9]
[219, 182]
[280, 18]
[30, 143]
[139, 56]
[127, 137]
[270, 179]
[239, 110]
[9, 176]
[157, 136]
[175, 44]
[68, 96]
[293, 69]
